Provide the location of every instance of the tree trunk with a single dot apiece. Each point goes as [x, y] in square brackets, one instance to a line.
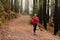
[44, 14]
[21, 6]
[33, 6]
[12, 5]
[56, 18]
[16, 4]
[48, 11]
[59, 14]
[40, 12]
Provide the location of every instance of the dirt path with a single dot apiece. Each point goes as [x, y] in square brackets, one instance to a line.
[20, 29]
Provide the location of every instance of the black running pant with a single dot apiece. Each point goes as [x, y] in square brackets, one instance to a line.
[34, 27]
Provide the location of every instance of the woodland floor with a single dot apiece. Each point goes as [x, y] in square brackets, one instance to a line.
[20, 29]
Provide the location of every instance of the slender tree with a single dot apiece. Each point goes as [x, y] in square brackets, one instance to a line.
[59, 14]
[33, 6]
[21, 6]
[47, 10]
[16, 4]
[56, 18]
[27, 6]
[44, 14]
[40, 11]
[9, 4]
[12, 5]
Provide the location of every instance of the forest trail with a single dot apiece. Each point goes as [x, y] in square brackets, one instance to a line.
[20, 29]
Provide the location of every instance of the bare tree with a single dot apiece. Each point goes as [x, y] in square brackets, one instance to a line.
[44, 14]
[56, 18]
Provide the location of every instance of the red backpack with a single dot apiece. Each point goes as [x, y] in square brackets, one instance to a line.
[35, 19]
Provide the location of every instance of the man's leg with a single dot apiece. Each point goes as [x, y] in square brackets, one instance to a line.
[35, 25]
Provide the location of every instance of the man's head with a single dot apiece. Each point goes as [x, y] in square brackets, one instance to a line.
[35, 14]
